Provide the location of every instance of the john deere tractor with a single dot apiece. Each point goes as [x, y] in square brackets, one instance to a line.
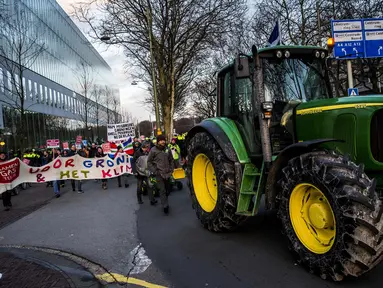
[281, 136]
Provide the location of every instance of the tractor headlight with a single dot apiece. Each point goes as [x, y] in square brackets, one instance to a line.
[287, 53]
[279, 54]
[317, 54]
[322, 55]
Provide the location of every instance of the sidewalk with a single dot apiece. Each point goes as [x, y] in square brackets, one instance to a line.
[28, 201]
[21, 268]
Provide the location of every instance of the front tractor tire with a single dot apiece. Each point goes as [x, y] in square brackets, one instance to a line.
[331, 215]
[212, 184]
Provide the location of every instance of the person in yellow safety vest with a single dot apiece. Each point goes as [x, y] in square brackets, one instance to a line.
[176, 151]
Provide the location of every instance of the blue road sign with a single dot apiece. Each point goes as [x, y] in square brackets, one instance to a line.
[353, 92]
[348, 38]
[373, 38]
[359, 38]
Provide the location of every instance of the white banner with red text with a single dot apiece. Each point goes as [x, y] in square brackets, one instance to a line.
[15, 172]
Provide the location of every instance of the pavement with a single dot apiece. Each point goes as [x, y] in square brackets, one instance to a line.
[32, 268]
[26, 202]
[254, 256]
[98, 227]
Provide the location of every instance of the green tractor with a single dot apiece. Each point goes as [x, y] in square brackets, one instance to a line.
[281, 136]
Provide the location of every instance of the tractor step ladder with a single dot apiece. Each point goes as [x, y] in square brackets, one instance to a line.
[250, 194]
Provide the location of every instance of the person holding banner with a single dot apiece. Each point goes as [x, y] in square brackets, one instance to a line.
[7, 195]
[56, 183]
[120, 150]
[100, 154]
[71, 153]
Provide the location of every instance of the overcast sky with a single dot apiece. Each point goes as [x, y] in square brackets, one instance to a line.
[131, 96]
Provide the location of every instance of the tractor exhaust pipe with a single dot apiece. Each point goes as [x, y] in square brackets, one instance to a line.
[259, 91]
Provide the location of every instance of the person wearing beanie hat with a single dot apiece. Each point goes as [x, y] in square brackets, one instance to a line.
[161, 165]
[161, 138]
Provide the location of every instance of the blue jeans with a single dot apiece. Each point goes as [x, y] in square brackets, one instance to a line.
[56, 187]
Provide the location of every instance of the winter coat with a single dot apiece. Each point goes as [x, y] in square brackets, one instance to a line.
[160, 162]
[139, 153]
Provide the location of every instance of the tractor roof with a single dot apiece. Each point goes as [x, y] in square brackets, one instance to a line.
[273, 48]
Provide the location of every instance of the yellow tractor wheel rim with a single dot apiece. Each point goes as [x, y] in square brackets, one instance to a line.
[312, 218]
[204, 182]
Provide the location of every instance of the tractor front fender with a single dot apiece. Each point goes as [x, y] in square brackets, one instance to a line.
[226, 133]
[288, 153]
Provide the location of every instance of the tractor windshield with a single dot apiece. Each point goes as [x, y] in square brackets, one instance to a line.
[295, 79]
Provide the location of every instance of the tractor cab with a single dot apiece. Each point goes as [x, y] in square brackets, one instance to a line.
[290, 75]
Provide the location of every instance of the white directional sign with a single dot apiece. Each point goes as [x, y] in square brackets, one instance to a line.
[361, 38]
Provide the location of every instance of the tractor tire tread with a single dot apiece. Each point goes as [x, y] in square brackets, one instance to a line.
[223, 218]
[358, 246]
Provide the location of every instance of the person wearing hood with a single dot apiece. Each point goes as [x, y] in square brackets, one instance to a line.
[141, 171]
[176, 152]
[161, 165]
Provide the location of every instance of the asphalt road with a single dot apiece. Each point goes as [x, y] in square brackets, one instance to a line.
[255, 256]
[99, 225]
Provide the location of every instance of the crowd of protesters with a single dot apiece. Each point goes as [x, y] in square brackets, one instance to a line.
[41, 157]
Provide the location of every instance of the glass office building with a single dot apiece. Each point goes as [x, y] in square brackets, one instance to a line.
[52, 83]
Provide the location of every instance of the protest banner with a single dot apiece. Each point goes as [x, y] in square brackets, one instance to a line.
[15, 172]
[53, 143]
[120, 132]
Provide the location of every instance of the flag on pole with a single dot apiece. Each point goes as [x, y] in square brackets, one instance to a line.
[275, 37]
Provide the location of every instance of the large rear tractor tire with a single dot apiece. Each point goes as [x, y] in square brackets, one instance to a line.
[331, 215]
[212, 184]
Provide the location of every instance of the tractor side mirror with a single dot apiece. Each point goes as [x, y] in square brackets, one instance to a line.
[242, 67]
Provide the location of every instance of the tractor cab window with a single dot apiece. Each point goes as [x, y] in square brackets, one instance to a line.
[295, 80]
[238, 105]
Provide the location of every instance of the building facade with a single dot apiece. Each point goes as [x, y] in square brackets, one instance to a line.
[48, 74]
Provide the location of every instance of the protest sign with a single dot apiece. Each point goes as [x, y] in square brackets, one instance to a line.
[65, 145]
[15, 172]
[53, 143]
[78, 139]
[106, 147]
[120, 132]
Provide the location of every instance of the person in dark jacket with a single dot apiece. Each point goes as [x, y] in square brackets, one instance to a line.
[93, 151]
[7, 195]
[44, 161]
[71, 153]
[100, 154]
[120, 150]
[142, 174]
[161, 164]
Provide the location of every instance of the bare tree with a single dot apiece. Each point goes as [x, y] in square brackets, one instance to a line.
[85, 83]
[115, 104]
[182, 33]
[21, 45]
[204, 98]
[308, 22]
[98, 97]
[108, 95]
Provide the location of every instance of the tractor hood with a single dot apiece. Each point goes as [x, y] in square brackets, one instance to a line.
[350, 102]
[355, 120]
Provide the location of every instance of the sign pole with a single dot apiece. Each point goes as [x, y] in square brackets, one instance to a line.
[349, 74]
